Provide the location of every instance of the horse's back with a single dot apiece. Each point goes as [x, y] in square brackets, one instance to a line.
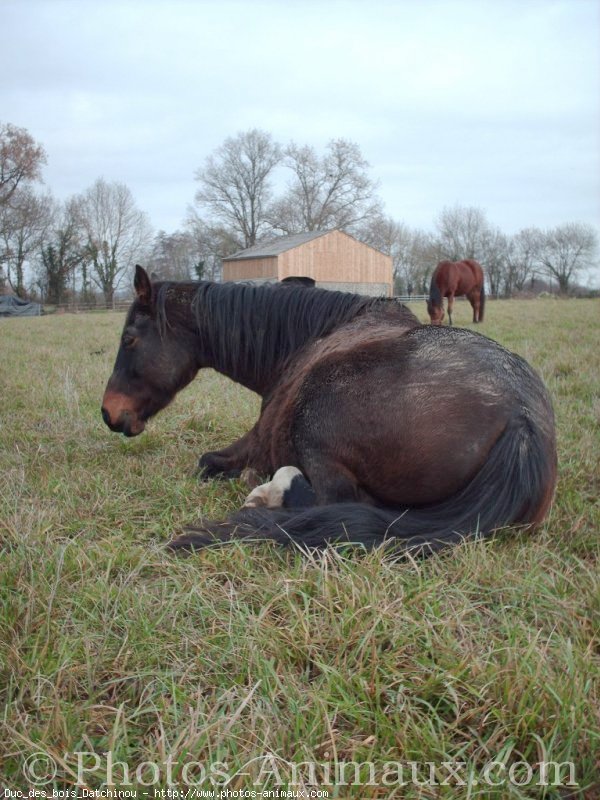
[467, 275]
[450, 277]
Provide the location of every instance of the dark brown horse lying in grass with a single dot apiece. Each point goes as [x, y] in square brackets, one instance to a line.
[453, 279]
[416, 434]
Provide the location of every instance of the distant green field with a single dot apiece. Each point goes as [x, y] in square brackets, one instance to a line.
[261, 659]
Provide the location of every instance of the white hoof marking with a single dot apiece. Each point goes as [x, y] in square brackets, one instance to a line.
[271, 494]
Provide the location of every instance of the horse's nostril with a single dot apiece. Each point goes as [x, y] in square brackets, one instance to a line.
[105, 416]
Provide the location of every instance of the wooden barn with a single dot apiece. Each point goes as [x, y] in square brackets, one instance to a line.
[333, 259]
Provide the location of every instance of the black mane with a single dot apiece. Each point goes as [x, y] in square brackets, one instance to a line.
[435, 296]
[250, 330]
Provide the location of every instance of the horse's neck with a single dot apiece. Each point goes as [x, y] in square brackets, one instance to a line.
[250, 333]
[247, 347]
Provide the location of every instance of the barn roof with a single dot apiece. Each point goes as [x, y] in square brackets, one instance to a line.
[274, 247]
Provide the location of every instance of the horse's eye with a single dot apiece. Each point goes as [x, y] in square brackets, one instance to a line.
[128, 340]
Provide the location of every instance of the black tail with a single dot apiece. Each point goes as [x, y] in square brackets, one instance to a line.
[514, 487]
[481, 303]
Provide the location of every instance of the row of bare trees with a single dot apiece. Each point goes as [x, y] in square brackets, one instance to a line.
[89, 243]
[513, 264]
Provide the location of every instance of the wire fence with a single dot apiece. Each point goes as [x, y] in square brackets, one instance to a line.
[123, 305]
[76, 307]
[82, 308]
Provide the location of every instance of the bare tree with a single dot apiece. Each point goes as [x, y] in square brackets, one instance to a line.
[522, 257]
[212, 243]
[62, 252]
[334, 191]
[172, 256]
[567, 250]
[388, 236]
[461, 232]
[234, 184]
[21, 160]
[492, 254]
[117, 234]
[409, 249]
[23, 225]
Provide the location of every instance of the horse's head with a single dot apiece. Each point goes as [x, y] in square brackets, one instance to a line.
[153, 363]
[436, 312]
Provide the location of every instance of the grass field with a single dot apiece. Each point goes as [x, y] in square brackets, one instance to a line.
[262, 659]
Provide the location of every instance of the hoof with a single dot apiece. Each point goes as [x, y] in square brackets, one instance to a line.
[209, 468]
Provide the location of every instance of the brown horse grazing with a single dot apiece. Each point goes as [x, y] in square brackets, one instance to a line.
[402, 432]
[453, 279]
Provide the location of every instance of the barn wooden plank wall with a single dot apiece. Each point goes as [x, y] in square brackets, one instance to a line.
[334, 258]
[250, 269]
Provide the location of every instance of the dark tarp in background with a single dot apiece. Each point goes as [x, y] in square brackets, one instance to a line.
[15, 307]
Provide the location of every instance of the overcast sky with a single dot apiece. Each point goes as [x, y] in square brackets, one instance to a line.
[491, 104]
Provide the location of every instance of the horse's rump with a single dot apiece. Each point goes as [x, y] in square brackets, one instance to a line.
[410, 417]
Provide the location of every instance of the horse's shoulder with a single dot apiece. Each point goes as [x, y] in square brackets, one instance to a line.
[443, 273]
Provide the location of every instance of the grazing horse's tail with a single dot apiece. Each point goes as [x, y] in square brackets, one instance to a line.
[481, 302]
[515, 486]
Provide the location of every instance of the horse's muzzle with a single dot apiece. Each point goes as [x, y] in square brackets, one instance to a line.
[127, 424]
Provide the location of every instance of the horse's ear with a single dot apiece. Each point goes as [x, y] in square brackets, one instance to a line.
[142, 286]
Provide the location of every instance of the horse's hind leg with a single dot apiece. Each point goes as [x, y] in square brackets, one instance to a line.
[474, 300]
[332, 483]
